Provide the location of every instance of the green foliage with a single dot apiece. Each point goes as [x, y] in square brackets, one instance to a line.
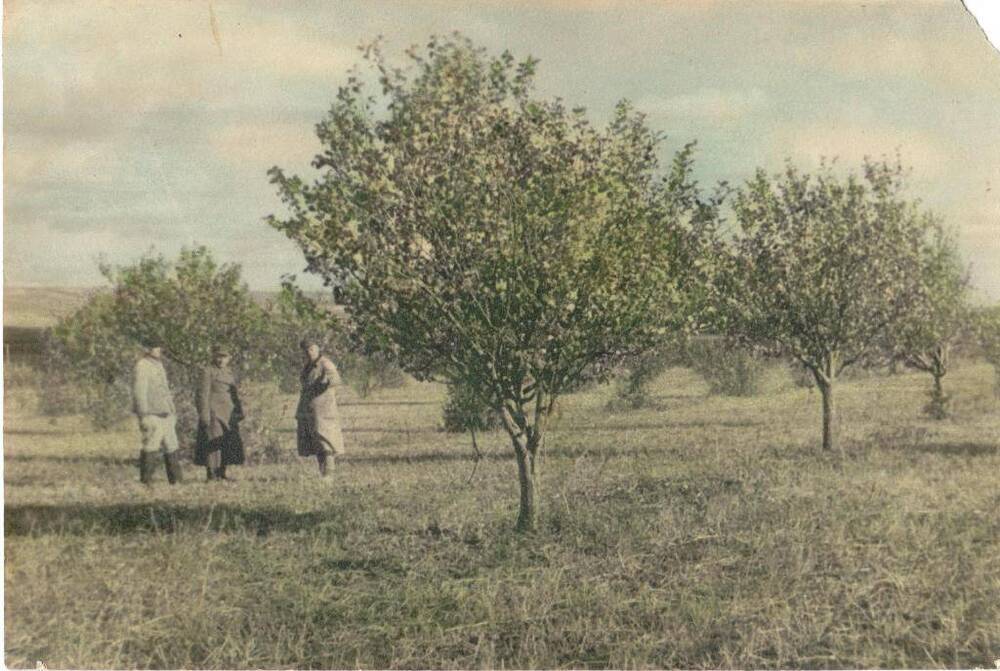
[730, 369]
[88, 363]
[824, 268]
[464, 411]
[491, 238]
[191, 305]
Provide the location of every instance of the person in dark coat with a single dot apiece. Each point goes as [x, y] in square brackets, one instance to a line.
[317, 416]
[219, 413]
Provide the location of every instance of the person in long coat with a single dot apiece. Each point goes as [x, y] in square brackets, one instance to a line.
[220, 411]
[317, 416]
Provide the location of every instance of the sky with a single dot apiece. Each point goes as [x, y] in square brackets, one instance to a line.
[134, 125]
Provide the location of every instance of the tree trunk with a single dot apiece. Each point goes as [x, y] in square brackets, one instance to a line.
[826, 389]
[937, 408]
[825, 374]
[527, 456]
[525, 431]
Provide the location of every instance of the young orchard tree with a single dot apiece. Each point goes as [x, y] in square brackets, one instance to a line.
[489, 238]
[190, 304]
[824, 267]
[925, 338]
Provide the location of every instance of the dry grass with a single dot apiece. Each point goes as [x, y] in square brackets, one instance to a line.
[708, 532]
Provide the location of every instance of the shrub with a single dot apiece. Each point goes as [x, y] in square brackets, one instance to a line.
[367, 374]
[190, 304]
[729, 369]
[632, 388]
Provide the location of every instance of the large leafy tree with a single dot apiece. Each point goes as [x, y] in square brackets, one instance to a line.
[824, 267]
[490, 238]
[939, 319]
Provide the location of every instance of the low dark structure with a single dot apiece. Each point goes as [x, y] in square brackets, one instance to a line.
[23, 344]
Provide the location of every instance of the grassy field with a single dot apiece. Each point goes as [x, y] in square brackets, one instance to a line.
[707, 532]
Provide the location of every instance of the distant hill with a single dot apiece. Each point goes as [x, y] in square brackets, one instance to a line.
[39, 307]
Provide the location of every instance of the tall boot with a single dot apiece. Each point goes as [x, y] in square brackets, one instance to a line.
[212, 461]
[173, 463]
[147, 466]
[321, 459]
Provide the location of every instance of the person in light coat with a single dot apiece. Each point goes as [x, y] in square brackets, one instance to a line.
[219, 413]
[153, 404]
[318, 420]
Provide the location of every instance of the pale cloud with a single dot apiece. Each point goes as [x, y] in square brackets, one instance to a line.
[982, 226]
[132, 123]
[951, 61]
[710, 104]
[88, 161]
[59, 248]
[851, 142]
[156, 55]
[265, 144]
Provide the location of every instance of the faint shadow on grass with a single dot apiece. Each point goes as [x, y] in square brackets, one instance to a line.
[73, 459]
[48, 432]
[133, 518]
[575, 428]
[652, 426]
[378, 403]
[955, 449]
[568, 452]
[372, 567]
